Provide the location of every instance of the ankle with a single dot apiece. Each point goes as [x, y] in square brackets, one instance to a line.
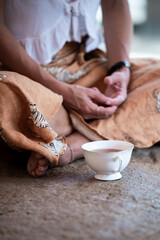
[67, 157]
[71, 152]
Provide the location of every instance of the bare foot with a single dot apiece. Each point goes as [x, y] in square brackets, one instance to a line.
[37, 165]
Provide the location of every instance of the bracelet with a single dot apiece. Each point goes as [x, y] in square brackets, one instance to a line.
[117, 66]
[71, 159]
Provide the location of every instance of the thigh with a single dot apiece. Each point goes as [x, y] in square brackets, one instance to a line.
[61, 122]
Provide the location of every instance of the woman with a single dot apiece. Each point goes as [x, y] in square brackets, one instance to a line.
[31, 34]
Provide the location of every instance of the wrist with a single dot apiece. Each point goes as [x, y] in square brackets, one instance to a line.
[127, 73]
[119, 66]
[67, 95]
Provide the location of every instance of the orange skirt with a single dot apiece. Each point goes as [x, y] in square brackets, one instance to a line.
[27, 107]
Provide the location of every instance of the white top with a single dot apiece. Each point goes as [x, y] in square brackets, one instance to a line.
[43, 26]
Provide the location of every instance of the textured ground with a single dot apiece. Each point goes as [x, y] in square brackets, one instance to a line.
[70, 204]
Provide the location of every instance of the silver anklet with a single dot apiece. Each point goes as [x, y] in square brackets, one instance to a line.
[71, 159]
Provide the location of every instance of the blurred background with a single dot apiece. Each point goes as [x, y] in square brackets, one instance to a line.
[146, 21]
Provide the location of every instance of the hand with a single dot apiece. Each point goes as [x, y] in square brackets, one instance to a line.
[89, 102]
[117, 84]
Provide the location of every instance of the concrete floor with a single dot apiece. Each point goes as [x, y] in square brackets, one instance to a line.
[70, 204]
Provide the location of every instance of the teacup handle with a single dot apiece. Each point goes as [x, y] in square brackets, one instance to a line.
[120, 163]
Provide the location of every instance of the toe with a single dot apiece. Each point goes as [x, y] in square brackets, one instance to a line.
[39, 173]
[42, 168]
[37, 165]
[43, 162]
[33, 174]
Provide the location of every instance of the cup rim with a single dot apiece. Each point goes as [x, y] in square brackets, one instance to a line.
[84, 146]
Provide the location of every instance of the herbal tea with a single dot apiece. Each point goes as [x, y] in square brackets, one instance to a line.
[107, 150]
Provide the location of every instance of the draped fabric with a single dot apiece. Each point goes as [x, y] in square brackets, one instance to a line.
[25, 111]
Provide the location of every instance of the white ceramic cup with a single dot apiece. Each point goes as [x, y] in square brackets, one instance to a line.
[107, 165]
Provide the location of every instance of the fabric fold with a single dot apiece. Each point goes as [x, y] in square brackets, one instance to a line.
[25, 111]
[137, 119]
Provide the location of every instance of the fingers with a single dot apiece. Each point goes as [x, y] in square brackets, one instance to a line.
[118, 81]
[109, 80]
[100, 112]
[116, 88]
[118, 100]
[118, 77]
[95, 89]
[105, 112]
[92, 104]
[100, 98]
[98, 106]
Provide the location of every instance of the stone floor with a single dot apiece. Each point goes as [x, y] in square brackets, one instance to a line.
[69, 203]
